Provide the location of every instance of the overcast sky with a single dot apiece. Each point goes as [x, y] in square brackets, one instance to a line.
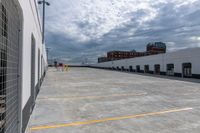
[77, 30]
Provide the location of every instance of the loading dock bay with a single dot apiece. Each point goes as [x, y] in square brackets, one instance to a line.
[86, 100]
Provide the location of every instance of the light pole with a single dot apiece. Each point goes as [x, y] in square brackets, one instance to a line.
[44, 2]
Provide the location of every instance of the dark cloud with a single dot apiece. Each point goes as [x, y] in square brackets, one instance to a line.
[83, 33]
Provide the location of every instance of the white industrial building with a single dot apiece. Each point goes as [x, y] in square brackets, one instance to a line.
[182, 63]
[23, 62]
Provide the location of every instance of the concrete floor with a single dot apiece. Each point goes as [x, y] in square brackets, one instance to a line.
[86, 100]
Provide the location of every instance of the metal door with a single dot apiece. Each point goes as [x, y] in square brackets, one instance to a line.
[33, 90]
[38, 70]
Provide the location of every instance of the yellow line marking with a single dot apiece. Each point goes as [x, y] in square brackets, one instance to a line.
[108, 119]
[92, 97]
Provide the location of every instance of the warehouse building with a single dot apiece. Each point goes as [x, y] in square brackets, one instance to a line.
[151, 49]
[182, 63]
[22, 63]
[156, 48]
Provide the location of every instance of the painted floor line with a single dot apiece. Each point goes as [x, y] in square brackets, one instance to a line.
[107, 119]
[92, 97]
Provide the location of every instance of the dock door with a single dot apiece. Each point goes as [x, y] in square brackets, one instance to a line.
[146, 69]
[131, 68]
[10, 61]
[122, 68]
[157, 69]
[170, 69]
[187, 70]
[137, 68]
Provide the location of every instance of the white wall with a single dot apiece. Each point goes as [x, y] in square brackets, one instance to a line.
[191, 55]
[28, 30]
[31, 25]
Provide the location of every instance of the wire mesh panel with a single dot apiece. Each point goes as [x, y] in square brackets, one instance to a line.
[9, 62]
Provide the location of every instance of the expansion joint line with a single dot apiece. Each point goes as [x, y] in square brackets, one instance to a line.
[108, 119]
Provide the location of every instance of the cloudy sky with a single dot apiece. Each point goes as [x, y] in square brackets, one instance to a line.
[78, 30]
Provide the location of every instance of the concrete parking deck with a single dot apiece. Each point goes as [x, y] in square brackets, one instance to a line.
[86, 100]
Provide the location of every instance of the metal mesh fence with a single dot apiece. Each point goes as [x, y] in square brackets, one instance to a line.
[9, 61]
